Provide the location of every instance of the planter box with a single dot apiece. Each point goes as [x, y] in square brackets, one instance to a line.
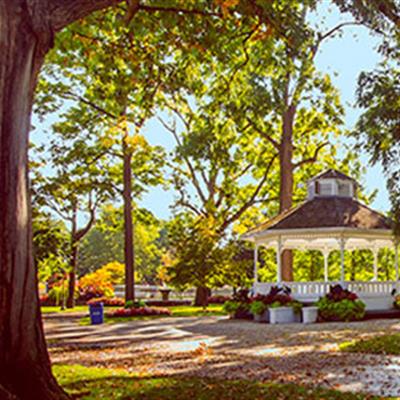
[310, 315]
[283, 315]
[264, 317]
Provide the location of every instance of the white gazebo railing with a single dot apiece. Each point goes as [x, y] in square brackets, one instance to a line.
[312, 291]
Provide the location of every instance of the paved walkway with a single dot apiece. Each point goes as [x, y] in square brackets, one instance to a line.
[219, 347]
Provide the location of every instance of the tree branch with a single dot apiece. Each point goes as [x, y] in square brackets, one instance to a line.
[264, 135]
[252, 199]
[193, 175]
[89, 103]
[64, 12]
[312, 159]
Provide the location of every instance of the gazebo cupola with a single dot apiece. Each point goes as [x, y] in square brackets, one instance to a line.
[331, 183]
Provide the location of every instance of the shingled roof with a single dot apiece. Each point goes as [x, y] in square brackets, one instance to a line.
[327, 212]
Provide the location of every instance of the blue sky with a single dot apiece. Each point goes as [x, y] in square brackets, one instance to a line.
[346, 56]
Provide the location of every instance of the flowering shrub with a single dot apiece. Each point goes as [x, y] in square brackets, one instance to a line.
[337, 293]
[340, 305]
[139, 312]
[277, 297]
[95, 285]
[45, 300]
[113, 302]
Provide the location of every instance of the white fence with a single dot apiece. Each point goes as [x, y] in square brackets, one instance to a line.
[153, 292]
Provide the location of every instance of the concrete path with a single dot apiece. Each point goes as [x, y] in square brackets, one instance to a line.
[219, 347]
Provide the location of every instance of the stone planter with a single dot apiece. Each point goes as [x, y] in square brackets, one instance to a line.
[310, 315]
[264, 317]
[283, 315]
[165, 294]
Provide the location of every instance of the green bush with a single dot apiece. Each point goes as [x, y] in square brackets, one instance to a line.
[231, 306]
[343, 310]
[135, 304]
[396, 302]
[257, 307]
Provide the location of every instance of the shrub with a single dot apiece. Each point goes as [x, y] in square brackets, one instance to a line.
[396, 302]
[218, 299]
[257, 307]
[95, 285]
[337, 293]
[231, 306]
[135, 304]
[46, 301]
[58, 292]
[340, 305]
[113, 302]
[139, 312]
[239, 306]
[277, 297]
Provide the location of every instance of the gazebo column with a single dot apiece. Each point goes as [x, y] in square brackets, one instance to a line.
[375, 253]
[279, 261]
[256, 263]
[342, 248]
[325, 253]
[396, 259]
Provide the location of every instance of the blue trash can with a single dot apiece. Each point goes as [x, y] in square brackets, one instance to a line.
[96, 313]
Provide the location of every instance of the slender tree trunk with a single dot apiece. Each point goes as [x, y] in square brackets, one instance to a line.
[73, 263]
[286, 183]
[24, 361]
[128, 225]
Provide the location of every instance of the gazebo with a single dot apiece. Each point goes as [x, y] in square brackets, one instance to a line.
[330, 219]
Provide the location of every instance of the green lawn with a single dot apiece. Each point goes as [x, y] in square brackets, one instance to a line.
[177, 311]
[46, 310]
[97, 383]
[384, 344]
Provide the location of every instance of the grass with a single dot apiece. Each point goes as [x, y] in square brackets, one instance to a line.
[46, 310]
[177, 311]
[384, 344]
[98, 383]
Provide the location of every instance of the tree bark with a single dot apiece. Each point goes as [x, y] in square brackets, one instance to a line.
[74, 261]
[286, 183]
[25, 366]
[26, 34]
[201, 297]
[128, 224]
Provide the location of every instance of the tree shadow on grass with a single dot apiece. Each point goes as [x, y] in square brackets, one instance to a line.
[183, 388]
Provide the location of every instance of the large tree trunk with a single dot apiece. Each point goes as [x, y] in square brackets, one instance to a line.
[128, 225]
[286, 183]
[201, 297]
[73, 263]
[24, 361]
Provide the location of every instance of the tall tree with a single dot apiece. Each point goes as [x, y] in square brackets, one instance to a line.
[104, 244]
[290, 104]
[27, 29]
[75, 186]
[219, 174]
[116, 101]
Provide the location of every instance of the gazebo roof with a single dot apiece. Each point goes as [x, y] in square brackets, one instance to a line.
[326, 212]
